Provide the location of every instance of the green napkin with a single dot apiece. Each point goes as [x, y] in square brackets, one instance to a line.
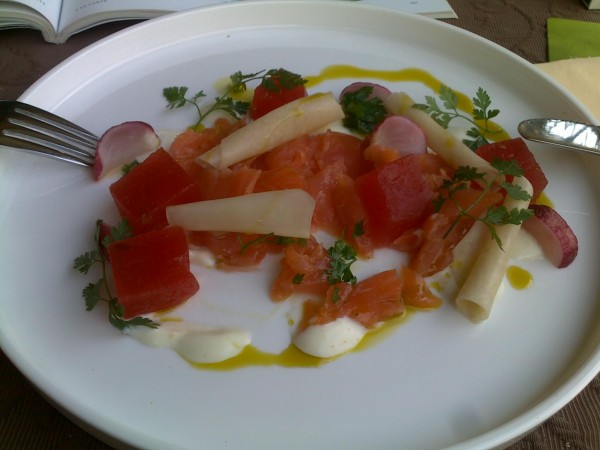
[572, 39]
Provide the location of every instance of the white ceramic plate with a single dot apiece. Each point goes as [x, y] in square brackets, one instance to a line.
[438, 381]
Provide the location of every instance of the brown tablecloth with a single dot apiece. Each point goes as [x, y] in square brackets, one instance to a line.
[28, 421]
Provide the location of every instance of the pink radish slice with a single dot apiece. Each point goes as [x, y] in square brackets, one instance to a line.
[378, 90]
[553, 234]
[400, 134]
[121, 145]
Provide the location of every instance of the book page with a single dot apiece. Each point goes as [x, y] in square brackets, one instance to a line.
[50, 9]
[78, 10]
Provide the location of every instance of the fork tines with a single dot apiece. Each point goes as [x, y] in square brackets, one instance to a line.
[29, 128]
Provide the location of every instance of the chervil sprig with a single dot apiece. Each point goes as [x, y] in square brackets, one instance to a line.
[177, 96]
[481, 129]
[342, 256]
[495, 215]
[100, 291]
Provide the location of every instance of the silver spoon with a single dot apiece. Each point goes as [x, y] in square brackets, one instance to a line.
[572, 135]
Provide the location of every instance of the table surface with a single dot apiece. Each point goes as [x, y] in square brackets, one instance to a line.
[28, 421]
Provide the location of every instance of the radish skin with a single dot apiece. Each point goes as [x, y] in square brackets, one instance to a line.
[440, 140]
[379, 91]
[553, 234]
[283, 124]
[121, 144]
[400, 134]
[285, 212]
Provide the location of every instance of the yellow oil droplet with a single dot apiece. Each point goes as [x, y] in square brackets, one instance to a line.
[543, 199]
[253, 357]
[410, 74]
[518, 277]
[374, 337]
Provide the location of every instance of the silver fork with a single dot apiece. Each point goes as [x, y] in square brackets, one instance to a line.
[26, 127]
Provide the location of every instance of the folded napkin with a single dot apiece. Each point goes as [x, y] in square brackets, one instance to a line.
[572, 39]
[581, 77]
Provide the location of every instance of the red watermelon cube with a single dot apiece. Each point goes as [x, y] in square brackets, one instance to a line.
[396, 196]
[144, 193]
[152, 271]
[516, 149]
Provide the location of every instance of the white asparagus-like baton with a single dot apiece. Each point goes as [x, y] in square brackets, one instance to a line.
[287, 212]
[442, 142]
[476, 297]
[292, 120]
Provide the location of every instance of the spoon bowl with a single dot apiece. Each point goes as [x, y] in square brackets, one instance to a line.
[568, 134]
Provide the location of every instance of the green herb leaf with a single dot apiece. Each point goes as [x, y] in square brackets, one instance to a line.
[342, 257]
[273, 79]
[118, 233]
[277, 79]
[335, 295]
[91, 294]
[298, 278]
[362, 111]
[507, 167]
[516, 192]
[100, 291]
[127, 167]
[359, 229]
[84, 262]
[495, 215]
[480, 132]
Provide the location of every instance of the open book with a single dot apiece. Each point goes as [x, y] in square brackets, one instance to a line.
[59, 19]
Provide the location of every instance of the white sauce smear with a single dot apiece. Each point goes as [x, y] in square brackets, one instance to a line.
[193, 342]
[330, 339]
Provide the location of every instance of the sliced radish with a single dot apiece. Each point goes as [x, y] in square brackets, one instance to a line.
[553, 234]
[378, 90]
[400, 134]
[121, 145]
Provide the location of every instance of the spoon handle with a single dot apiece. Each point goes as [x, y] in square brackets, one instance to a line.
[572, 135]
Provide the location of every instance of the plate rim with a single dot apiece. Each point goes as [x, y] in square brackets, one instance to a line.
[575, 382]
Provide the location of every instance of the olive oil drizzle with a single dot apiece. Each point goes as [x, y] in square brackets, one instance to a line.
[411, 74]
[292, 357]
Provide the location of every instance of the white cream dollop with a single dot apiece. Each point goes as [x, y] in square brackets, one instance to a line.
[330, 339]
[195, 343]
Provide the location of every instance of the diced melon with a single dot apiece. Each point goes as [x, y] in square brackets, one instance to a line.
[396, 197]
[144, 193]
[516, 149]
[152, 271]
